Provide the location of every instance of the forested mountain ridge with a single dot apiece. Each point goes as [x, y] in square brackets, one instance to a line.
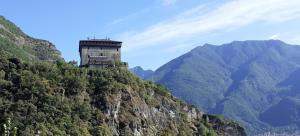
[53, 97]
[244, 80]
[15, 41]
[62, 99]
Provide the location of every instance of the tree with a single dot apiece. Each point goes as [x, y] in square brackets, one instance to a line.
[9, 130]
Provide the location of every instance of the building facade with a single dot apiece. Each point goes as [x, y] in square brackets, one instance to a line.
[99, 53]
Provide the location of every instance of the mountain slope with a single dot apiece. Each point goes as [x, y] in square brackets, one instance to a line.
[240, 80]
[61, 99]
[140, 72]
[286, 112]
[17, 43]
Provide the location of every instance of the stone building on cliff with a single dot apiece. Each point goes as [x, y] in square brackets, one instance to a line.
[100, 53]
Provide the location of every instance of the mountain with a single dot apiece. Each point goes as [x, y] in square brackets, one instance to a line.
[253, 82]
[15, 42]
[41, 94]
[62, 99]
[140, 72]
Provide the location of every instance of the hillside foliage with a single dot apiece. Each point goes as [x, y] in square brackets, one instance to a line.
[62, 99]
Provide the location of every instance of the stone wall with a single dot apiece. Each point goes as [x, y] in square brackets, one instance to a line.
[98, 55]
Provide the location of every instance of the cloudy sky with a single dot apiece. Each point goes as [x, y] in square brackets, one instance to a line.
[155, 31]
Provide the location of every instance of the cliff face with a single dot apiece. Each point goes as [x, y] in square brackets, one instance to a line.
[147, 112]
[14, 41]
[62, 99]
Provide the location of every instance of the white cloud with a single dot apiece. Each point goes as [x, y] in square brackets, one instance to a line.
[130, 16]
[198, 21]
[275, 36]
[119, 20]
[168, 2]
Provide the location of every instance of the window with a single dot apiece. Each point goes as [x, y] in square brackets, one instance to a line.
[101, 54]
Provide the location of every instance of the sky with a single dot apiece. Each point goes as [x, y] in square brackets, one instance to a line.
[154, 32]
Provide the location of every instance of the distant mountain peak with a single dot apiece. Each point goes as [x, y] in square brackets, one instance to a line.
[207, 44]
[140, 72]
